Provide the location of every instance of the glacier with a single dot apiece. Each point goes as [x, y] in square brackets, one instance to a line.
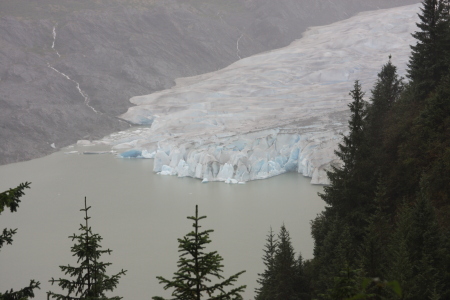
[280, 111]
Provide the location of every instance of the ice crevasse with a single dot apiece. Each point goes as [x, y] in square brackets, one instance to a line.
[276, 112]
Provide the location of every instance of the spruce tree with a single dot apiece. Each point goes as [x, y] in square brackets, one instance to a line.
[10, 199]
[410, 146]
[349, 191]
[433, 130]
[266, 279]
[198, 268]
[425, 241]
[417, 250]
[405, 138]
[285, 268]
[336, 252]
[385, 93]
[302, 286]
[428, 59]
[345, 286]
[373, 251]
[91, 281]
[349, 151]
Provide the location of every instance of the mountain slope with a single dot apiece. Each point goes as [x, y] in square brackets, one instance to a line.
[282, 110]
[68, 68]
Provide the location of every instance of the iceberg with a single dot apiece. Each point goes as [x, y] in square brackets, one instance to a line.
[280, 111]
[131, 154]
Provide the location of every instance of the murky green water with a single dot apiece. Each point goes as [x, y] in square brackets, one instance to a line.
[140, 215]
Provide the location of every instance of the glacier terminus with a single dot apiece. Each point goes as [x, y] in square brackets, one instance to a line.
[276, 112]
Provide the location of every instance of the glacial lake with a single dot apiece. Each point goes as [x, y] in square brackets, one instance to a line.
[140, 215]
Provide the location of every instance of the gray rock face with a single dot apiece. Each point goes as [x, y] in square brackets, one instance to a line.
[67, 74]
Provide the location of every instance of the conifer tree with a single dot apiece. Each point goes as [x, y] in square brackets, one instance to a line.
[284, 277]
[345, 285]
[400, 264]
[424, 241]
[428, 61]
[333, 253]
[266, 280]
[411, 146]
[405, 138]
[373, 250]
[198, 268]
[11, 199]
[417, 250]
[433, 130]
[302, 287]
[385, 93]
[91, 281]
[348, 194]
[348, 151]
[286, 268]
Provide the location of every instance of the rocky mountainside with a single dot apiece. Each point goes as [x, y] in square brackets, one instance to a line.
[69, 67]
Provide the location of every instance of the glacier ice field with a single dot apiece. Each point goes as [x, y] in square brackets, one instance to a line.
[280, 111]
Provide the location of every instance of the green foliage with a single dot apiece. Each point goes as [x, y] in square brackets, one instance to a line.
[391, 288]
[386, 92]
[427, 63]
[303, 284]
[336, 250]
[345, 285]
[416, 261]
[11, 199]
[388, 212]
[373, 251]
[91, 281]
[349, 191]
[23, 294]
[424, 237]
[197, 268]
[284, 276]
[433, 128]
[266, 280]
[285, 268]
[351, 285]
[349, 149]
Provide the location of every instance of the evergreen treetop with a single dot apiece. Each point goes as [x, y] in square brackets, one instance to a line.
[266, 279]
[285, 268]
[344, 191]
[386, 91]
[91, 281]
[197, 269]
[284, 276]
[427, 64]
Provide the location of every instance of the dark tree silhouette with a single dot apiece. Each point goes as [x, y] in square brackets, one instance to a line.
[91, 281]
[197, 268]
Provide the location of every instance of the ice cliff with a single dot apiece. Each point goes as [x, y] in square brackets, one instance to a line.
[279, 111]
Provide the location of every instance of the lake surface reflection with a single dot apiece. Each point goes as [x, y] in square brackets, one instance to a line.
[140, 215]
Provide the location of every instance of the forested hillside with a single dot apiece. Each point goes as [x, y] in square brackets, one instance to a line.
[386, 226]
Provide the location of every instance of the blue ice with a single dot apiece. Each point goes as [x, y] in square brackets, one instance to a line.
[131, 154]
